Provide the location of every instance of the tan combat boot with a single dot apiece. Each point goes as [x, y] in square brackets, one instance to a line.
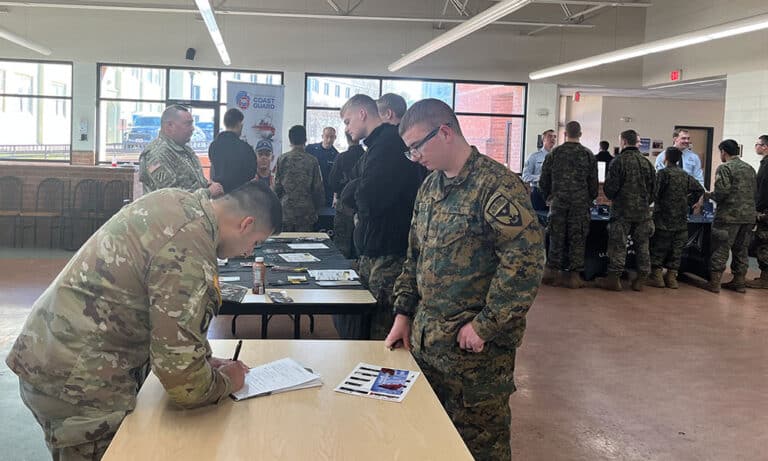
[640, 281]
[550, 276]
[737, 284]
[610, 282]
[670, 279]
[655, 279]
[714, 282]
[760, 282]
[574, 280]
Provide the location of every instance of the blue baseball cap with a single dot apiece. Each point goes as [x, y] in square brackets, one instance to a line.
[264, 144]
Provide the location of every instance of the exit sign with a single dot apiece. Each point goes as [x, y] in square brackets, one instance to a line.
[675, 75]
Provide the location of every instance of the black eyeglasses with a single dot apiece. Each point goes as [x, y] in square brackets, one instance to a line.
[413, 152]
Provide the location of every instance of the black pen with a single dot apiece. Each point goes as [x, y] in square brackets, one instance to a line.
[237, 350]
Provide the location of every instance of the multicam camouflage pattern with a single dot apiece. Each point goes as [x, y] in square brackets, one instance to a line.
[734, 238]
[476, 255]
[569, 181]
[666, 246]
[735, 185]
[629, 183]
[141, 291]
[163, 164]
[299, 186]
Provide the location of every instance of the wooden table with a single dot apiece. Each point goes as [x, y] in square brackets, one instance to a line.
[306, 301]
[309, 424]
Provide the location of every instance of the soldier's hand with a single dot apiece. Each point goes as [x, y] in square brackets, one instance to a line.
[400, 334]
[235, 371]
[469, 340]
[216, 189]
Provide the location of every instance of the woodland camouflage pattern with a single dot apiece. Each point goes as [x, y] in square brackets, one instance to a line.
[299, 186]
[475, 255]
[163, 164]
[142, 290]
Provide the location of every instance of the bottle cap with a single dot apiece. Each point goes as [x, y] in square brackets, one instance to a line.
[258, 260]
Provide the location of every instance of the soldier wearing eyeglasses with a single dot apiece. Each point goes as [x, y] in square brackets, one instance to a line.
[474, 264]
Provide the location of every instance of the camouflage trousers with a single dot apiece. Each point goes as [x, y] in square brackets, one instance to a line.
[72, 432]
[568, 231]
[378, 275]
[640, 233]
[474, 390]
[730, 238]
[343, 229]
[762, 245]
[667, 248]
[299, 225]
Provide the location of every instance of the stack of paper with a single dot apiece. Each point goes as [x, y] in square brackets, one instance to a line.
[377, 382]
[279, 376]
[334, 274]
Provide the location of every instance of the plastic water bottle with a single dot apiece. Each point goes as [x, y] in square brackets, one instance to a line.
[259, 276]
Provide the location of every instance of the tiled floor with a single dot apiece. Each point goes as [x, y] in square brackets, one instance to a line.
[658, 375]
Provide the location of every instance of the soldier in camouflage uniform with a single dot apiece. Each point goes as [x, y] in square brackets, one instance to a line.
[734, 194]
[299, 184]
[168, 161]
[761, 204]
[140, 292]
[342, 173]
[674, 193]
[629, 183]
[474, 264]
[569, 181]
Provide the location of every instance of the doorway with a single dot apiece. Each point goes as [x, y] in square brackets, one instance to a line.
[702, 143]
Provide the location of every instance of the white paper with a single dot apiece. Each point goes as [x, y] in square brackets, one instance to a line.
[254, 299]
[601, 171]
[279, 376]
[298, 257]
[231, 278]
[362, 379]
[334, 274]
[307, 246]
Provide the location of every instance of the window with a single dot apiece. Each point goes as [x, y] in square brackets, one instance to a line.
[130, 108]
[491, 115]
[326, 86]
[35, 110]
[315, 84]
[337, 91]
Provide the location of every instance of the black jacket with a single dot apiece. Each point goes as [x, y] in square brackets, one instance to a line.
[343, 169]
[384, 194]
[761, 193]
[233, 161]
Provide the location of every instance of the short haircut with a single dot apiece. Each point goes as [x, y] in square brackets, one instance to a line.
[392, 101]
[604, 145]
[232, 117]
[361, 101]
[545, 133]
[431, 112]
[297, 135]
[673, 155]
[730, 147]
[171, 113]
[630, 136]
[573, 129]
[256, 199]
[764, 139]
[329, 128]
[677, 132]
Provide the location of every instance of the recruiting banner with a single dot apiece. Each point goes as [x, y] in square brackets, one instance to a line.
[262, 106]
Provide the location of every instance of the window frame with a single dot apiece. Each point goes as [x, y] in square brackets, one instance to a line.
[453, 82]
[4, 94]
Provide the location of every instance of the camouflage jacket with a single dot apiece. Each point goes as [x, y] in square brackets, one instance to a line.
[475, 254]
[299, 185]
[629, 183]
[163, 163]
[675, 191]
[143, 289]
[735, 184]
[569, 177]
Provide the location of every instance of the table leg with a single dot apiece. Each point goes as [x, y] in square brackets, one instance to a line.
[234, 325]
[297, 326]
[264, 325]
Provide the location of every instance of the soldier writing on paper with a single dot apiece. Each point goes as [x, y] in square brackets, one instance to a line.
[140, 292]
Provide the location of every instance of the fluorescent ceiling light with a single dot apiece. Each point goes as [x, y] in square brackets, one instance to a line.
[21, 41]
[729, 29]
[478, 21]
[210, 22]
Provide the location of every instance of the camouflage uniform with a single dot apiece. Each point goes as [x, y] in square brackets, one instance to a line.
[163, 164]
[675, 191]
[734, 193]
[569, 180]
[476, 255]
[629, 183]
[761, 204]
[299, 186]
[141, 291]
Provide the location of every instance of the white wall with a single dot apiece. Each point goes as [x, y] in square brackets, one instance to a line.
[541, 97]
[588, 112]
[746, 110]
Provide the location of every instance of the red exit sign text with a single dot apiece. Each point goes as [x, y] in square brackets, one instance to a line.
[675, 75]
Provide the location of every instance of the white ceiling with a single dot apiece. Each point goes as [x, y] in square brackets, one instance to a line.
[705, 90]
